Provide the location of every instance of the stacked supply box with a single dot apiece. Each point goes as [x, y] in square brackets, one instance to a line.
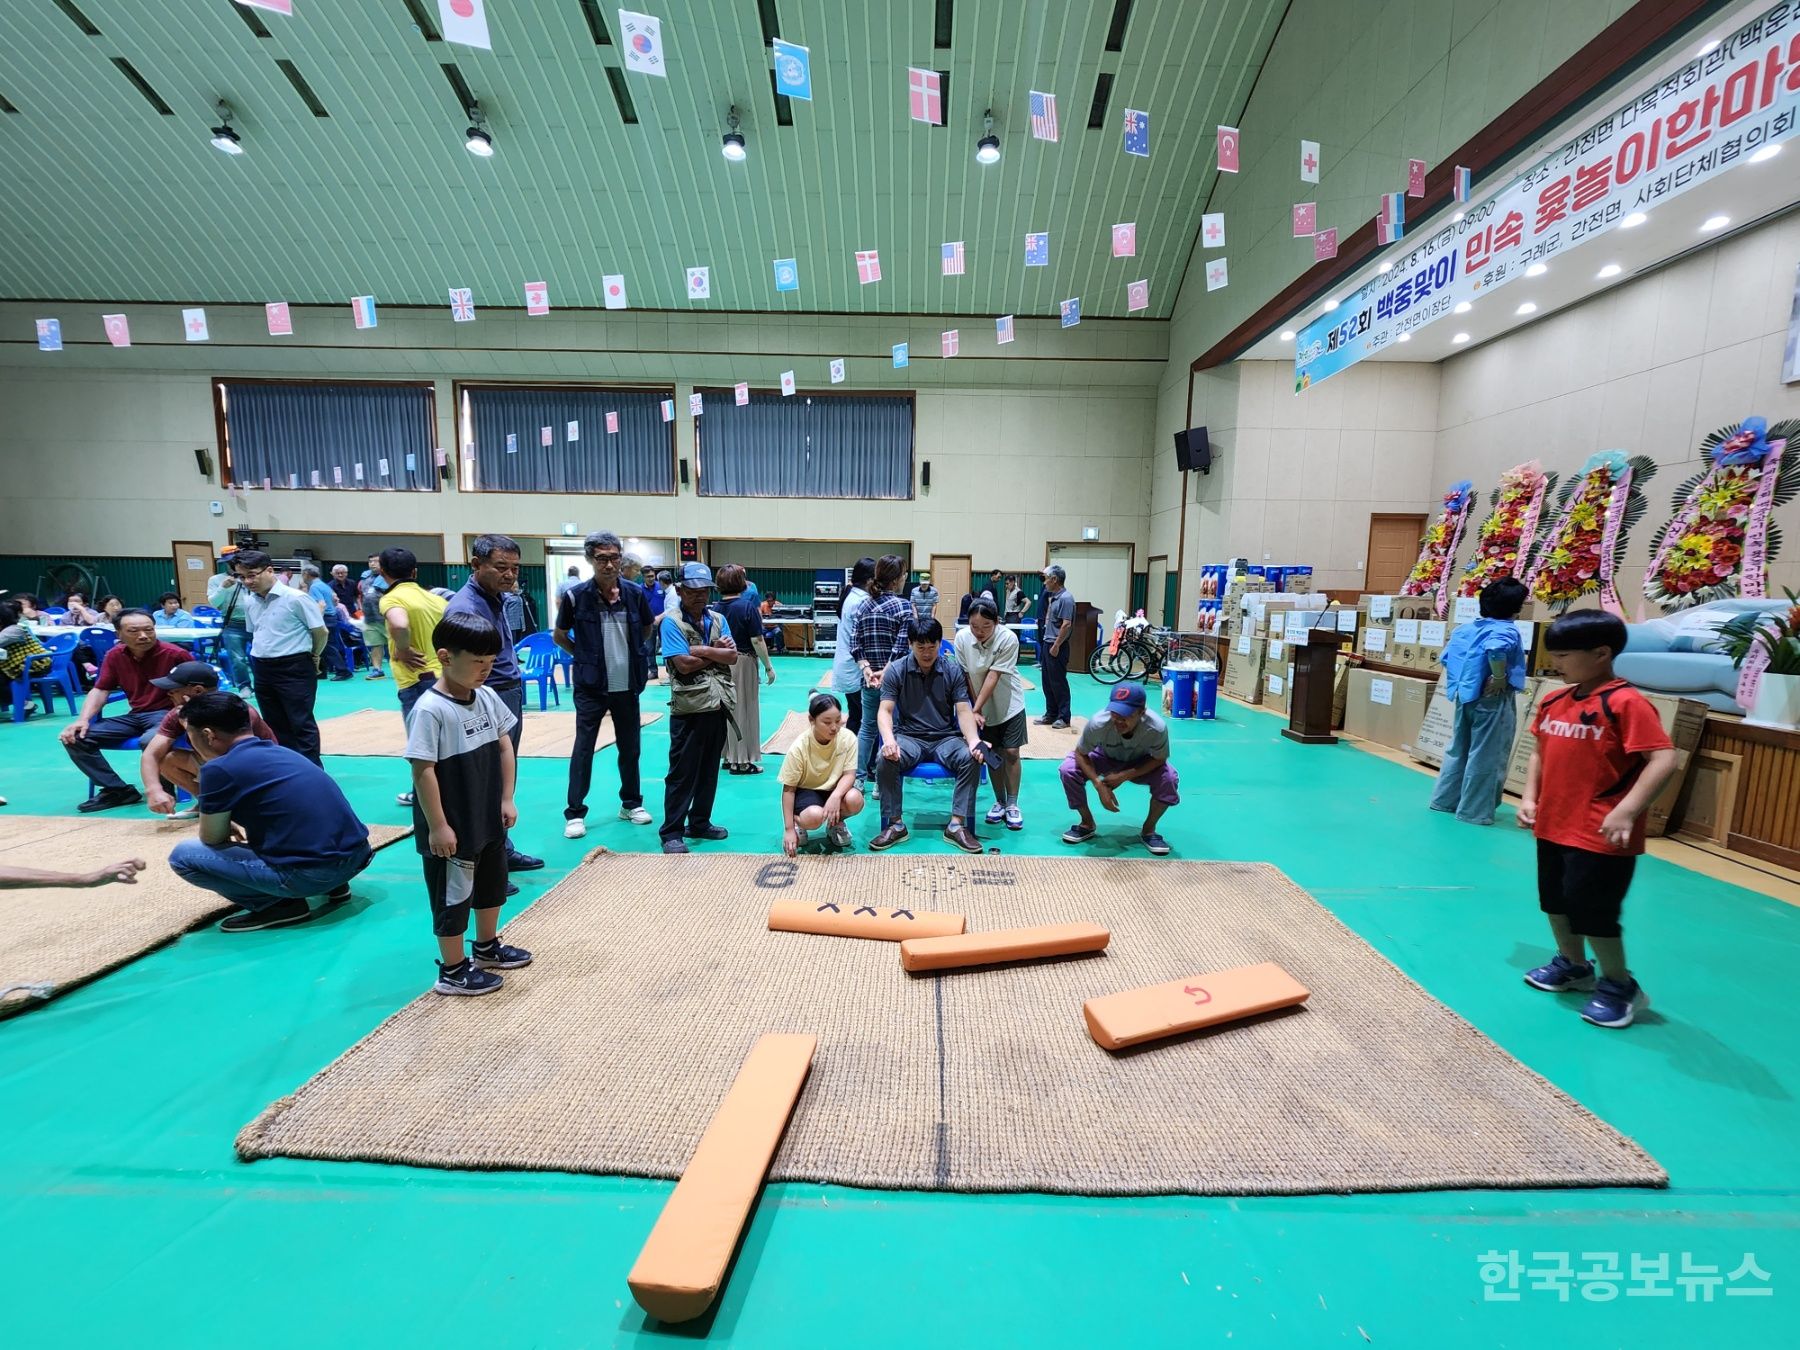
[1386, 709]
[1244, 669]
[1433, 740]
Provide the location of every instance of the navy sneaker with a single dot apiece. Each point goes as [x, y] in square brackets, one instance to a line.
[465, 977]
[281, 914]
[1614, 1004]
[1078, 833]
[1157, 845]
[496, 955]
[1561, 975]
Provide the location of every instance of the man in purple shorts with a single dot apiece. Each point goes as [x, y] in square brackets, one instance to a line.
[1124, 743]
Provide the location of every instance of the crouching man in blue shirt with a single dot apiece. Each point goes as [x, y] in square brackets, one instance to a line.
[274, 828]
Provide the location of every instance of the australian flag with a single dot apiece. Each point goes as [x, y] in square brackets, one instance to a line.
[1037, 250]
[1137, 133]
[953, 259]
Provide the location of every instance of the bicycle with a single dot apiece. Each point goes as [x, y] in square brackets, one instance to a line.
[1136, 651]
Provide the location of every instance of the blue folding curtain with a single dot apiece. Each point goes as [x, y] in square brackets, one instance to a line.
[285, 432]
[817, 445]
[639, 457]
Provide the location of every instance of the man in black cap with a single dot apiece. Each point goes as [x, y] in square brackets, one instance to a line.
[168, 760]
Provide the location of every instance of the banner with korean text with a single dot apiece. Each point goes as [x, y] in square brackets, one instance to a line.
[1683, 131]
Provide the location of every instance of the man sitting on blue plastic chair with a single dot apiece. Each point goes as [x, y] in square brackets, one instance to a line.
[131, 666]
[925, 715]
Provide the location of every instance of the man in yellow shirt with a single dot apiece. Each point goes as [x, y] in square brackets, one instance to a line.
[411, 613]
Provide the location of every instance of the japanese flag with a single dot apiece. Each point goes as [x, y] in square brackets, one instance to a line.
[464, 22]
[787, 384]
[740, 393]
[612, 289]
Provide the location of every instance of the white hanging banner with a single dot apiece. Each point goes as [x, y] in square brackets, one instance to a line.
[1666, 139]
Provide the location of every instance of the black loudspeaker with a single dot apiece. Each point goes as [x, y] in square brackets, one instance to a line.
[925, 475]
[684, 476]
[1193, 450]
[203, 461]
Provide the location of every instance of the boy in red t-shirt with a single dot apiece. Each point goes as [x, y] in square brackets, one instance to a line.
[1602, 756]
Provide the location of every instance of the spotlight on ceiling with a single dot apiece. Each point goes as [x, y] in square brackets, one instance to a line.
[987, 149]
[477, 140]
[1610, 270]
[733, 147]
[1712, 223]
[1529, 307]
[1287, 335]
[1537, 269]
[223, 137]
[1764, 155]
[1632, 221]
[1460, 338]
[1463, 308]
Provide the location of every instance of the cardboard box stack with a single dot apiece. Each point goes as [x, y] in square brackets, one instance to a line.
[1390, 631]
[1433, 741]
[1244, 669]
[1386, 709]
[1278, 684]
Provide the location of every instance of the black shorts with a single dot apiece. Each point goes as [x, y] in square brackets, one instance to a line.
[805, 797]
[457, 885]
[1007, 735]
[1587, 888]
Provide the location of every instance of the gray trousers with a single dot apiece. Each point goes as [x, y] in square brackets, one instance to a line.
[951, 752]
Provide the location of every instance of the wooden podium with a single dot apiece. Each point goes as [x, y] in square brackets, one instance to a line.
[1315, 675]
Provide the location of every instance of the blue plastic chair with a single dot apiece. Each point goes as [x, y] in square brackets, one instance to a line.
[537, 665]
[565, 662]
[55, 611]
[138, 743]
[59, 678]
[206, 612]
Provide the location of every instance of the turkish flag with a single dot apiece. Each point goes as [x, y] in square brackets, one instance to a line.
[1228, 149]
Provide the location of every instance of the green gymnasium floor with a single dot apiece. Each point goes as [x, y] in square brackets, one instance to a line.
[130, 1221]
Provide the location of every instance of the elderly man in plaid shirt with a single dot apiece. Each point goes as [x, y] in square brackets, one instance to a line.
[878, 637]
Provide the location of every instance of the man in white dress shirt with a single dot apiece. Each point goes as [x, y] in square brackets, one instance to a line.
[287, 633]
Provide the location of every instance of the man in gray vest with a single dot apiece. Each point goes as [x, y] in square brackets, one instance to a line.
[700, 655]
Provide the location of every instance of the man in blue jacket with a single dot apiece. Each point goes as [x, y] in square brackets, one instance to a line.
[605, 623]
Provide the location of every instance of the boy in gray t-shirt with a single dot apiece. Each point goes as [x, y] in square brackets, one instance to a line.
[1124, 743]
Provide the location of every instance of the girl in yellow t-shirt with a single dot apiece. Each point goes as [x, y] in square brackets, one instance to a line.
[818, 778]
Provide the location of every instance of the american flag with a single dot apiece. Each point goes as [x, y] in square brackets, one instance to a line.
[951, 340]
[925, 95]
[1043, 116]
[462, 305]
[953, 259]
[868, 267]
[1003, 330]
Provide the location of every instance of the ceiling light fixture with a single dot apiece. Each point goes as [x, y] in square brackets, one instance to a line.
[1385, 268]
[223, 137]
[1712, 223]
[1287, 335]
[987, 149]
[1463, 308]
[477, 140]
[1529, 307]
[1460, 338]
[1456, 218]
[1610, 270]
[1404, 337]
[733, 147]
[1632, 221]
[1328, 306]
[1764, 155]
[1537, 269]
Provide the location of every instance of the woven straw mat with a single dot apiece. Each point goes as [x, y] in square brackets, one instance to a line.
[381, 732]
[654, 976]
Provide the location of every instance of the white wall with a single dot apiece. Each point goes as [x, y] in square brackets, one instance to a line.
[1028, 442]
[1650, 367]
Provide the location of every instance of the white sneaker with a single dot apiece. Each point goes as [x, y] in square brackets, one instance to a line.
[839, 835]
[575, 829]
[635, 814]
[996, 813]
[1015, 818]
[404, 798]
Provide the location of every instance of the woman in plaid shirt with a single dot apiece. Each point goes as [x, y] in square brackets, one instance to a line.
[879, 636]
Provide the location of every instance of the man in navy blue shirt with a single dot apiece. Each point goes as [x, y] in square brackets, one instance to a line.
[493, 575]
[274, 828]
